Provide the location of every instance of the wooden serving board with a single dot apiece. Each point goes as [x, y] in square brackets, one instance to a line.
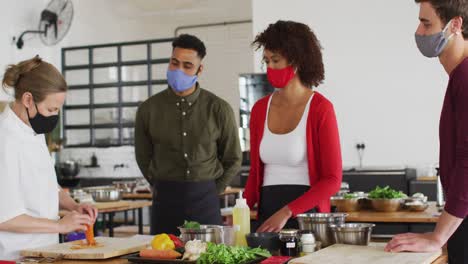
[111, 247]
[374, 253]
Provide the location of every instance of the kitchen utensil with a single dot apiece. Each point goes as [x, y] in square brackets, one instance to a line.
[104, 194]
[352, 233]
[319, 223]
[68, 169]
[268, 241]
[387, 205]
[206, 233]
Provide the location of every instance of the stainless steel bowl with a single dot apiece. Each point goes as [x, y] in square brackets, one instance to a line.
[125, 186]
[417, 206]
[319, 224]
[346, 205]
[387, 205]
[352, 233]
[104, 194]
[206, 233]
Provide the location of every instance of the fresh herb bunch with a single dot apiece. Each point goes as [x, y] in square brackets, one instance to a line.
[217, 254]
[350, 196]
[191, 225]
[386, 193]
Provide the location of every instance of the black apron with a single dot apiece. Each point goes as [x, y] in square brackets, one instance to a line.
[175, 202]
[275, 197]
[457, 245]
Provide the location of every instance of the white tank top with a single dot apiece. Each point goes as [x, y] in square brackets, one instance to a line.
[285, 155]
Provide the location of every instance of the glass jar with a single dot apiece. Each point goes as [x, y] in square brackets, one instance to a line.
[289, 242]
[308, 243]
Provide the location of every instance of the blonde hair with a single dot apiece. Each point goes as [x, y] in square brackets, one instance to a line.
[36, 76]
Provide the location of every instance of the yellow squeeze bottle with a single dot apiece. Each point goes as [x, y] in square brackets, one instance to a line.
[241, 220]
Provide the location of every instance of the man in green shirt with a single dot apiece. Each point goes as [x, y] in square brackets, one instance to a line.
[186, 143]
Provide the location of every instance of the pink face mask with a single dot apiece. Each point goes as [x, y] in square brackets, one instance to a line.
[279, 78]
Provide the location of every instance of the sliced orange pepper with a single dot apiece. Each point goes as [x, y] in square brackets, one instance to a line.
[90, 235]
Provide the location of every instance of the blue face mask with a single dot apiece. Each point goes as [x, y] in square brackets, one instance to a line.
[433, 45]
[179, 81]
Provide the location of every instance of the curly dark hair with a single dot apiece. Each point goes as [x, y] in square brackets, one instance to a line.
[187, 41]
[448, 9]
[299, 45]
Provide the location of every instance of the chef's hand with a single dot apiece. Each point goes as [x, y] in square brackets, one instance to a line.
[88, 209]
[414, 242]
[277, 221]
[74, 221]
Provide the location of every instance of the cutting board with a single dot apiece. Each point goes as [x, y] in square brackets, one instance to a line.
[112, 247]
[374, 253]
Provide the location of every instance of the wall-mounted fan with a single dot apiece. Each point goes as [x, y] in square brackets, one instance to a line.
[54, 24]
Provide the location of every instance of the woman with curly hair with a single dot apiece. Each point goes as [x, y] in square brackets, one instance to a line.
[294, 143]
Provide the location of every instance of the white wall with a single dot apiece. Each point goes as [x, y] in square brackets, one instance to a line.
[385, 93]
[108, 21]
[18, 16]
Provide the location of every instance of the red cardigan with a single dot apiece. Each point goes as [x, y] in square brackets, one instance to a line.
[323, 156]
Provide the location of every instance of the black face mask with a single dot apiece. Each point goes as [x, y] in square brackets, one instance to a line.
[42, 124]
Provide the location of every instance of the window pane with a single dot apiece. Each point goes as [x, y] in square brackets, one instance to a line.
[103, 55]
[128, 114]
[77, 136]
[106, 95]
[77, 77]
[128, 135]
[158, 71]
[77, 117]
[106, 115]
[78, 97]
[161, 50]
[106, 136]
[105, 75]
[134, 52]
[77, 57]
[134, 93]
[134, 73]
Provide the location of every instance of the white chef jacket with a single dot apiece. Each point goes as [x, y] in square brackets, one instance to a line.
[28, 183]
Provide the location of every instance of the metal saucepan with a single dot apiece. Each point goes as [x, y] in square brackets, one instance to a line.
[319, 224]
[104, 193]
[69, 168]
[352, 233]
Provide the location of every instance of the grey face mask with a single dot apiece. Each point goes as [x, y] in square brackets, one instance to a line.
[433, 45]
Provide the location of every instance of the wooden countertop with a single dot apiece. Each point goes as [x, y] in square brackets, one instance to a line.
[440, 260]
[431, 215]
[149, 196]
[117, 206]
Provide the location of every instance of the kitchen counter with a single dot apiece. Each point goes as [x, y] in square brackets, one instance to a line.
[441, 260]
[149, 196]
[430, 215]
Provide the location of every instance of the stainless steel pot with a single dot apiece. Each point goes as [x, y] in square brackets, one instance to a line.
[68, 169]
[206, 233]
[319, 224]
[352, 233]
[104, 194]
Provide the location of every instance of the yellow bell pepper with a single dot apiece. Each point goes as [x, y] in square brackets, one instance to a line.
[162, 242]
